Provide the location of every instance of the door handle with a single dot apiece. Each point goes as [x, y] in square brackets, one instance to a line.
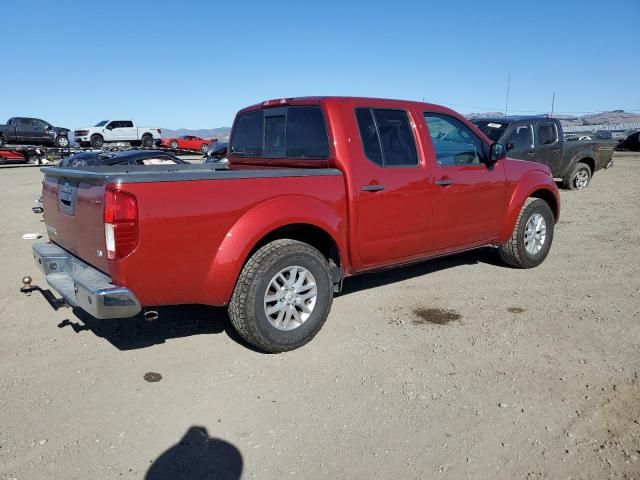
[373, 188]
[531, 154]
[557, 150]
[444, 182]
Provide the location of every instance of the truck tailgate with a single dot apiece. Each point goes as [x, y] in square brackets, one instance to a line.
[73, 213]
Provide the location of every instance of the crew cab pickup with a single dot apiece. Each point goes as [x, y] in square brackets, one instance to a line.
[316, 189]
[111, 131]
[33, 131]
[541, 139]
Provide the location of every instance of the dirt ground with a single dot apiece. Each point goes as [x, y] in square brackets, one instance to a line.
[457, 368]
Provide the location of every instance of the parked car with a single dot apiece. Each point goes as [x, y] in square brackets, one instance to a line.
[217, 152]
[130, 157]
[186, 142]
[33, 131]
[630, 142]
[541, 140]
[111, 131]
[355, 185]
[12, 156]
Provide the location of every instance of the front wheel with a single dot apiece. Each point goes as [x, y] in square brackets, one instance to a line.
[283, 296]
[96, 141]
[174, 145]
[579, 177]
[204, 147]
[62, 142]
[532, 236]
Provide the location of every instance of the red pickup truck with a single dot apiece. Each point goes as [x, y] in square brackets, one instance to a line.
[316, 189]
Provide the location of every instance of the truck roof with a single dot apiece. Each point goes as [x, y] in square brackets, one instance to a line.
[514, 118]
[316, 100]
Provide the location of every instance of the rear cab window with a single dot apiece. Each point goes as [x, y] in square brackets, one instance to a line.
[297, 132]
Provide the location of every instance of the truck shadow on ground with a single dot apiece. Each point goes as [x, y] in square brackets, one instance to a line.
[197, 456]
[190, 320]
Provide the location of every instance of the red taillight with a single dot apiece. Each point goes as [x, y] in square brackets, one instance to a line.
[120, 223]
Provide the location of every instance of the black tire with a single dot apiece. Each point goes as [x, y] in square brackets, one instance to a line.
[247, 306]
[62, 141]
[576, 179]
[174, 144]
[96, 141]
[147, 141]
[514, 252]
[204, 147]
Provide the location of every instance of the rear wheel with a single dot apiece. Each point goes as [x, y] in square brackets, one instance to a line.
[204, 147]
[283, 296]
[96, 141]
[174, 144]
[579, 177]
[147, 141]
[532, 236]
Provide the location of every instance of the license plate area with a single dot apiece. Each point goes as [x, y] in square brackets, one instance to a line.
[67, 193]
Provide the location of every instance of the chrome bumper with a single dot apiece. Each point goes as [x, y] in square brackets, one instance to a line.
[83, 286]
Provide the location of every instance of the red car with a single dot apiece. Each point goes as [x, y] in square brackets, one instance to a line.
[12, 156]
[317, 189]
[186, 142]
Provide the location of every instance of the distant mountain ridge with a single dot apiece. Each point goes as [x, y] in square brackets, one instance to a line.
[614, 116]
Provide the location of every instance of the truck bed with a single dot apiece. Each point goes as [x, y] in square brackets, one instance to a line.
[185, 212]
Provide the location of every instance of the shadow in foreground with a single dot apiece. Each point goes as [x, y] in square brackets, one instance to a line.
[385, 277]
[198, 457]
[172, 322]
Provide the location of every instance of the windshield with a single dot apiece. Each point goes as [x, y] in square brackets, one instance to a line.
[492, 129]
[101, 124]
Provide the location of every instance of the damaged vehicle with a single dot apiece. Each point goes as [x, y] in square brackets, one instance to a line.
[541, 140]
[316, 189]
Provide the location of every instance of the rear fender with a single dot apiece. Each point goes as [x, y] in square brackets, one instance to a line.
[255, 225]
[532, 184]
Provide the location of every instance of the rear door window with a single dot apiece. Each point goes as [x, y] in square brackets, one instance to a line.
[386, 137]
[285, 132]
[546, 133]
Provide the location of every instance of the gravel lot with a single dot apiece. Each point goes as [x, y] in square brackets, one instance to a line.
[457, 368]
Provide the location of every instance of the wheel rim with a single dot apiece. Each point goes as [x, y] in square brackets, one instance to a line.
[581, 179]
[204, 148]
[174, 145]
[290, 298]
[63, 141]
[535, 233]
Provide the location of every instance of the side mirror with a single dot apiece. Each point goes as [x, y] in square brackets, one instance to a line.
[109, 127]
[498, 152]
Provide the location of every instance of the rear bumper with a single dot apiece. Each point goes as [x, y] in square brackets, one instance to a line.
[83, 286]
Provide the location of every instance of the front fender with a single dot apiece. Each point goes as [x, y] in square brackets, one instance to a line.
[532, 184]
[256, 224]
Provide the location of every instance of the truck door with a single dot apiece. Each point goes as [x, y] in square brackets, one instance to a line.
[548, 146]
[519, 142]
[391, 187]
[469, 202]
[25, 130]
[111, 131]
[128, 131]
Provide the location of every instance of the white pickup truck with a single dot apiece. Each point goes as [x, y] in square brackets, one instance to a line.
[111, 131]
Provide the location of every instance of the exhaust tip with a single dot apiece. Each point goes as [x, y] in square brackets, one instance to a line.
[150, 315]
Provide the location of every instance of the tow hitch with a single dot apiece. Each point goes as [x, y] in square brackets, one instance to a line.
[27, 288]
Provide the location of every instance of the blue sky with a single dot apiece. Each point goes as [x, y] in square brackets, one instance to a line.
[193, 64]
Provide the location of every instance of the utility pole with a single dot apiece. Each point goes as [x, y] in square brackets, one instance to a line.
[553, 102]
[506, 105]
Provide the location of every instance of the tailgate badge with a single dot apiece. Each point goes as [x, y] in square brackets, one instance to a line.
[67, 186]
